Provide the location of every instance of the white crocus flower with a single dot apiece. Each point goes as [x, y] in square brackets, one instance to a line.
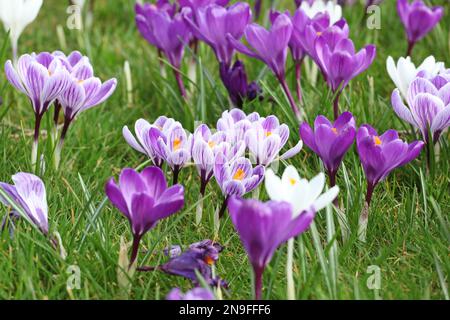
[320, 6]
[16, 15]
[302, 195]
[405, 71]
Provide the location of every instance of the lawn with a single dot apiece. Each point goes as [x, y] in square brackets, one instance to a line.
[408, 233]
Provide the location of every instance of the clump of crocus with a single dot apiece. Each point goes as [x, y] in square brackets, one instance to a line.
[167, 31]
[194, 294]
[142, 143]
[418, 20]
[84, 91]
[173, 146]
[303, 195]
[16, 16]
[330, 141]
[380, 155]
[42, 78]
[428, 106]
[404, 72]
[144, 199]
[271, 47]
[340, 63]
[199, 257]
[262, 228]
[236, 178]
[28, 199]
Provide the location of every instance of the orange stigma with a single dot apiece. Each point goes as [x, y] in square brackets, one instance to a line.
[319, 33]
[211, 144]
[377, 140]
[176, 144]
[334, 130]
[268, 133]
[210, 261]
[239, 175]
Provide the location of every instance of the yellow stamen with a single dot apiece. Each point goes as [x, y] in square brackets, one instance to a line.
[292, 181]
[319, 33]
[80, 81]
[268, 133]
[377, 140]
[209, 260]
[239, 175]
[334, 130]
[176, 144]
[211, 144]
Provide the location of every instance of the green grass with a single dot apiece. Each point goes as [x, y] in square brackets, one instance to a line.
[408, 233]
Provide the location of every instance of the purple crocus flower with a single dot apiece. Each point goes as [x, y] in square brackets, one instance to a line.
[266, 138]
[197, 4]
[330, 141]
[340, 63]
[213, 23]
[173, 146]
[236, 83]
[142, 143]
[381, 154]
[428, 105]
[29, 195]
[168, 33]
[144, 199]
[271, 47]
[262, 228]
[199, 257]
[194, 294]
[42, 78]
[418, 20]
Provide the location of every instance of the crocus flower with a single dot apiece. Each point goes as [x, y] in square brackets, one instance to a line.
[42, 78]
[340, 63]
[173, 146]
[144, 199]
[194, 294]
[265, 139]
[235, 124]
[262, 228]
[236, 177]
[418, 20]
[313, 8]
[29, 197]
[168, 34]
[197, 4]
[236, 83]
[84, 91]
[199, 257]
[16, 16]
[214, 22]
[271, 47]
[330, 141]
[303, 196]
[404, 72]
[428, 105]
[142, 142]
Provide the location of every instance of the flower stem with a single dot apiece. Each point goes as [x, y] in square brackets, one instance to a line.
[199, 210]
[332, 175]
[289, 270]
[135, 249]
[288, 93]
[57, 154]
[258, 278]
[298, 76]
[411, 45]
[223, 208]
[180, 83]
[336, 105]
[176, 174]
[364, 217]
[35, 147]
[55, 121]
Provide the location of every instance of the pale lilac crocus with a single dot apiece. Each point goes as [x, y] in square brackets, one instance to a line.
[142, 142]
[262, 228]
[330, 141]
[42, 78]
[341, 63]
[173, 146]
[28, 198]
[144, 199]
[418, 20]
[380, 155]
[271, 47]
[236, 178]
[170, 34]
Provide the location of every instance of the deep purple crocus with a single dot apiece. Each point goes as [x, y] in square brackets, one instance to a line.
[418, 20]
[199, 257]
[341, 63]
[262, 228]
[29, 195]
[271, 47]
[330, 141]
[42, 78]
[173, 146]
[194, 294]
[144, 199]
[198, 4]
[142, 143]
[170, 34]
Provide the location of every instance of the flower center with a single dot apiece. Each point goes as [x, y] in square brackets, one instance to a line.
[334, 130]
[239, 175]
[377, 140]
[176, 144]
[268, 133]
[292, 181]
[319, 33]
[211, 144]
[209, 260]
